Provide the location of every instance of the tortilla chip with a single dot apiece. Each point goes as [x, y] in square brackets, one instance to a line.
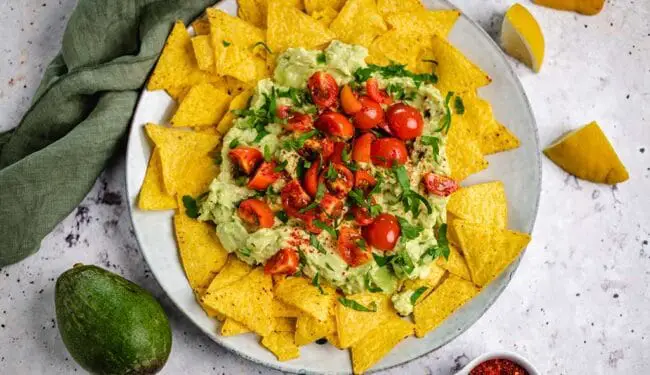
[201, 26]
[431, 281]
[284, 325]
[463, 152]
[358, 22]
[309, 329]
[455, 72]
[333, 338]
[426, 23]
[282, 345]
[209, 311]
[152, 193]
[231, 327]
[255, 11]
[203, 52]
[201, 253]
[325, 16]
[395, 46]
[288, 27]
[348, 325]
[280, 309]
[298, 292]
[378, 342]
[178, 149]
[441, 303]
[204, 105]
[196, 180]
[234, 270]
[314, 6]
[482, 203]
[246, 301]
[498, 138]
[455, 264]
[390, 6]
[488, 249]
[177, 93]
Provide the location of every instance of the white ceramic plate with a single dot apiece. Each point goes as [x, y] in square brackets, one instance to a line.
[519, 170]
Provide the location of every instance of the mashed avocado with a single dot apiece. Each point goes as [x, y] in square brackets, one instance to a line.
[261, 127]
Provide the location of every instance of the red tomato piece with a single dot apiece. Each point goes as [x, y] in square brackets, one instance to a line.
[300, 123]
[283, 111]
[246, 158]
[324, 89]
[370, 115]
[284, 262]
[310, 180]
[340, 183]
[256, 212]
[373, 91]
[264, 176]
[361, 148]
[337, 154]
[349, 101]
[308, 219]
[352, 248]
[315, 148]
[335, 124]
[294, 198]
[442, 186]
[387, 151]
[364, 180]
[383, 233]
[405, 121]
[361, 216]
[331, 207]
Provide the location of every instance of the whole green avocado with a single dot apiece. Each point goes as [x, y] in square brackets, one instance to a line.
[110, 325]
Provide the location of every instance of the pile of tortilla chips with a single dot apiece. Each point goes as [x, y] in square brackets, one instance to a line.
[211, 73]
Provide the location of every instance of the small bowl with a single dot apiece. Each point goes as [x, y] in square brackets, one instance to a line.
[514, 357]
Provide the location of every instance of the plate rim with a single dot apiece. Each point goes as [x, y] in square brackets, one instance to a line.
[277, 365]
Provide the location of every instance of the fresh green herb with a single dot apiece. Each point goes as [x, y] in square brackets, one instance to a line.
[329, 267]
[241, 180]
[245, 251]
[442, 248]
[267, 153]
[259, 118]
[296, 143]
[299, 97]
[313, 241]
[226, 43]
[418, 292]
[302, 260]
[361, 243]
[218, 159]
[354, 305]
[357, 197]
[321, 58]
[234, 143]
[345, 155]
[446, 121]
[263, 45]
[459, 106]
[410, 199]
[303, 166]
[280, 167]
[408, 230]
[394, 70]
[320, 192]
[370, 284]
[282, 216]
[316, 282]
[382, 260]
[325, 227]
[191, 208]
[403, 260]
[432, 141]
[331, 173]
[399, 92]
[434, 62]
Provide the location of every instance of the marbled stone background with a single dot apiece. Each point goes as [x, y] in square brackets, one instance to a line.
[579, 303]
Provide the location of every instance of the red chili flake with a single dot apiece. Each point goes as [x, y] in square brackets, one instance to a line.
[498, 367]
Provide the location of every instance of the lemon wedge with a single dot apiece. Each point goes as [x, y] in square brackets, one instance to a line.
[587, 7]
[522, 38]
[587, 154]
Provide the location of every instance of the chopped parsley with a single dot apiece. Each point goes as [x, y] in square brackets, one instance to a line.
[266, 47]
[313, 241]
[325, 227]
[417, 293]
[399, 92]
[442, 248]
[303, 166]
[320, 192]
[358, 199]
[403, 260]
[234, 143]
[267, 153]
[382, 260]
[191, 208]
[218, 159]
[316, 282]
[331, 173]
[321, 58]
[394, 70]
[280, 167]
[226, 43]
[354, 305]
[446, 121]
[410, 199]
[282, 216]
[299, 97]
[408, 230]
[245, 251]
[432, 141]
[296, 143]
[370, 284]
[459, 106]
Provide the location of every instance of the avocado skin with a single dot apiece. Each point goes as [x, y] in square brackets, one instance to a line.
[110, 325]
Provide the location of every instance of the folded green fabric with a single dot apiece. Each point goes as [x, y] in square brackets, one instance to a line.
[79, 114]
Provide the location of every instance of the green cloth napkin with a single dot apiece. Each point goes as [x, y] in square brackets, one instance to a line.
[79, 114]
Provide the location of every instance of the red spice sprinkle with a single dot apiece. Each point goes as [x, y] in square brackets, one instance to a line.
[498, 367]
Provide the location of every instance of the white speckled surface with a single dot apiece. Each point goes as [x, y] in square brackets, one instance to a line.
[579, 301]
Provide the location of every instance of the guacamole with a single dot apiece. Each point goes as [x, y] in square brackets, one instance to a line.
[295, 176]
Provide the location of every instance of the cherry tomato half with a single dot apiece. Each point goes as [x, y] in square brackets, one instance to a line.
[373, 91]
[283, 111]
[370, 115]
[256, 212]
[352, 247]
[340, 181]
[300, 123]
[387, 151]
[349, 101]
[310, 180]
[405, 121]
[335, 124]
[361, 148]
[442, 186]
[264, 177]
[246, 158]
[315, 148]
[339, 149]
[383, 233]
[284, 262]
[331, 207]
[294, 198]
[361, 216]
[364, 180]
[324, 90]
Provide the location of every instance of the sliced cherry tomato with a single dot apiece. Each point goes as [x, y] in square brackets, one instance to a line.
[308, 219]
[387, 151]
[294, 198]
[315, 148]
[384, 126]
[405, 121]
[310, 180]
[331, 207]
[284, 262]
[337, 154]
[264, 176]
[256, 212]
[364, 180]
[341, 181]
[335, 124]
[300, 123]
[283, 111]
[361, 216]
[383, 233]
[349, 101]
[324, 90]
[370, 115]
[361, 148]
[352, 248]
[246, 158]
[373, 91]
[442, 186]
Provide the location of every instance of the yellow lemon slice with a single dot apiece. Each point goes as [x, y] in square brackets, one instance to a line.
[522, 38]
[587, 7]
[587, 154]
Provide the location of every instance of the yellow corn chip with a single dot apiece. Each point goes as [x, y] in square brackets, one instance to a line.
[200, 173]
[482, 203]
[288, 27]
[201, 253]
[231, 327]
[282, 345]
[441, 303]
[358, 22]
[298, 292]
[210, 312]
[424, 22]
[498, 138]
[309, 329]
[586, 153]
[389, 6]
[325, 16]
[488, 249]
[234, 270]
[396, 46]
[333, 338]
[255, 11]
[152, 194]
[203, 52]
[455, 264]
[238, 102]
[378, 342]
[246, 301]
[348, 319]
[280, 309]
[201, 26]
[178, 93]
[431, 281]
[313, 6]
[204, 105]
[463, 152]
[285, 325]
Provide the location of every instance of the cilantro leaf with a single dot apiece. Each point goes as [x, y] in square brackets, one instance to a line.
[446, 121]
[382, 260]
[234, 143]
[432, 141]
[370, 285]
[410, 199]
[442, 248]
[408, 230]
[394, 70]
[320, 192]
[282, 216]
[316, 282]
[325, 227]
[321, 58]
[418, 292]
[226, 43]
[191, 208]
[313, 241]
[459, 106]
[296, 143]
[303, 166]
[403, 261]
[266, 47]
[280, 167]
[354, 305]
